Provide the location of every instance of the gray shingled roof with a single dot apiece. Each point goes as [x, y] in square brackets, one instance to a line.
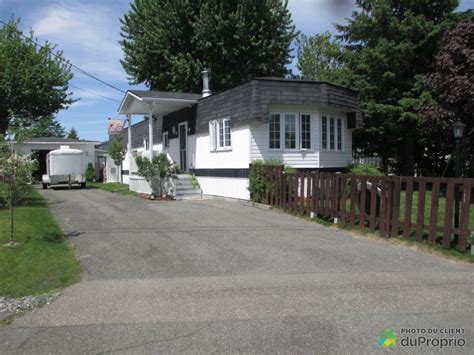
[165, 95]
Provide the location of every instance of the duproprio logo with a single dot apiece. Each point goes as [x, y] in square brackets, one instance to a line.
[388, 339]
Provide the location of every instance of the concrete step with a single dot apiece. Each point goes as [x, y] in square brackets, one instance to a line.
[183, 183]
[188, 192]
[186, 187]
[184, 176]
[190, 197]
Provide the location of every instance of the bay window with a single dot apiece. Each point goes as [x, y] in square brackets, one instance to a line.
[331, 133]
[305, 131]
[290, 131]
[274, 131]
[324, 132]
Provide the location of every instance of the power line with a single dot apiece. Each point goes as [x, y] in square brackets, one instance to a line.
[93, 93]
[67, 61]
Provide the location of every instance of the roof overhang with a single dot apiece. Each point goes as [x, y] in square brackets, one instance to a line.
[55, 143]
[136, 104]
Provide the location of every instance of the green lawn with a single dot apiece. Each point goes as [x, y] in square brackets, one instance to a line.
[114, 187]
[44, 260]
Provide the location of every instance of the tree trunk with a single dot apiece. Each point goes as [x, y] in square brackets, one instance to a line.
[12, 225]
[408, 157]
[4, 121]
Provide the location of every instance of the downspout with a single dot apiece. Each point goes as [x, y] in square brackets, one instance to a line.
[129, 143]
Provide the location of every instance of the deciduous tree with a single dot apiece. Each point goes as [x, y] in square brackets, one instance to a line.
[117, 152]
[33, 81]
[167, 44]
[452, 87]
[320, 57]
[17, 171]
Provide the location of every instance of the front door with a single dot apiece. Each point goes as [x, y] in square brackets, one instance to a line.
[182, 130]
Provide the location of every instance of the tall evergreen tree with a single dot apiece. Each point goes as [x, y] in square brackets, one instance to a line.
[391, 45]
[167, 43]
[73, 134]
[33, 81]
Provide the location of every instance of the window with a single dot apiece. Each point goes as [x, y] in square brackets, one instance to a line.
[324, 130]
[332, 136]
[220, 134]
[166, 140]
[274, 130]
[290, 131]
[332, 133]
[305, 128]
[339, 134]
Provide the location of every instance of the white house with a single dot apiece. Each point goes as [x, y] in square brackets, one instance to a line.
[304, 124]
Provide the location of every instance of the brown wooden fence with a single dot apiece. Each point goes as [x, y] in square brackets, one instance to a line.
[423, 207]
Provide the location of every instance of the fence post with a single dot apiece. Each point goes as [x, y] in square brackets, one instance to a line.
[396, 205]
[464, 222]
[373, 204]
[408, 206]
[420, 220]
[343, 199]
[433, 228]
[362, 202]
[353, 199]
[448, 217]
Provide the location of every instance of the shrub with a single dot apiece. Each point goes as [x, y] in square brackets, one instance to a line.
[367, 169]
[156, 172]
[258, 186]
[290, 170]
[90, 173]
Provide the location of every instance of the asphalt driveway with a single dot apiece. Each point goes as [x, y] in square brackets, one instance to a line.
[211, 276]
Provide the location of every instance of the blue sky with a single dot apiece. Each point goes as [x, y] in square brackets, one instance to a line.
[87, 31]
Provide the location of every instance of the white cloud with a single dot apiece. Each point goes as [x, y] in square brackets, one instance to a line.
[317, 16]
[87, 33]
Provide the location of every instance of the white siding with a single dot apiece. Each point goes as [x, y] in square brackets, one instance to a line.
[312, 158]
[227, 187]
[338, 159]
[236, 158]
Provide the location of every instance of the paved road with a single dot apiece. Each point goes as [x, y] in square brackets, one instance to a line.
[209, 276]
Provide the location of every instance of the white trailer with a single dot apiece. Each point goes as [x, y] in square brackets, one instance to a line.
[65, 166]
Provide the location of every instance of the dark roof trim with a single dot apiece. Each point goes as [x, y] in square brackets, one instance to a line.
[306, 81]
[164, 95]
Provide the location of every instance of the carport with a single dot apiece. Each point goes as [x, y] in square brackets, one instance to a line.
[43, 145]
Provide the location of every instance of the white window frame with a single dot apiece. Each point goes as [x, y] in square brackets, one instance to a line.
[311, 128]
[215, 143]
[166, 140]
[297, 131]
[328, 133]
[281, 130]
[298, 136]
